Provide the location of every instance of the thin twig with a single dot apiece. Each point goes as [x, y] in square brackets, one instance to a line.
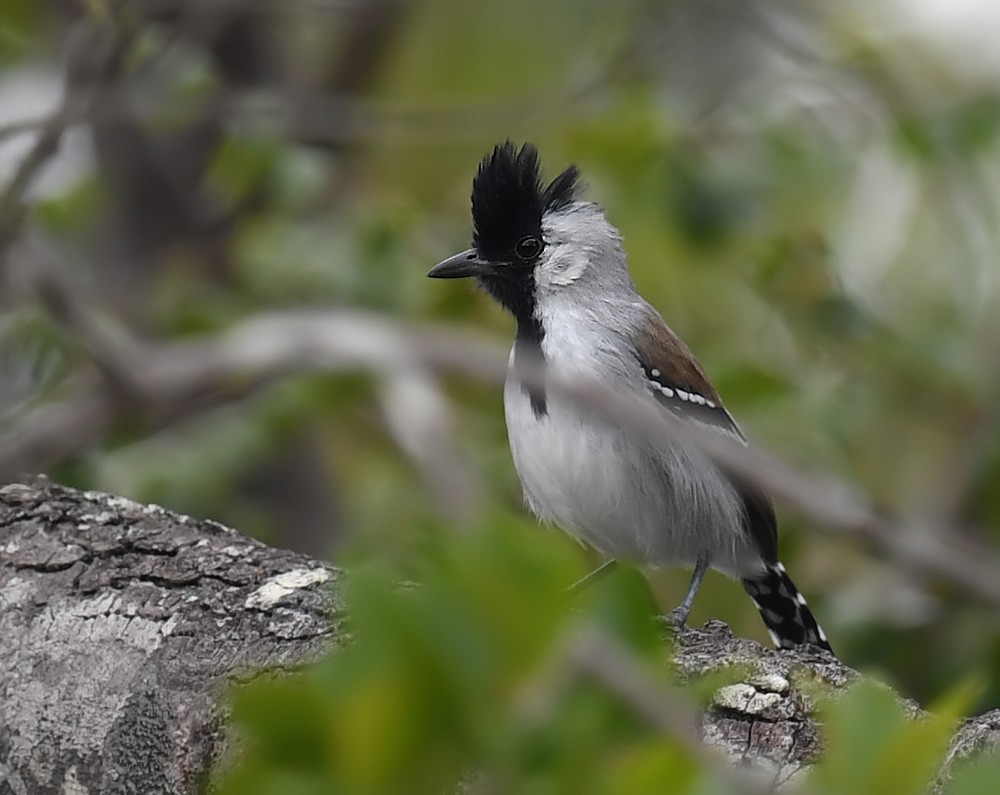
[36, 265]
[598, 656]
[16, 128]
[44, 147]
[94, 52]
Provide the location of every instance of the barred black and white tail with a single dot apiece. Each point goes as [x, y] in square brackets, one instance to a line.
[784, 610]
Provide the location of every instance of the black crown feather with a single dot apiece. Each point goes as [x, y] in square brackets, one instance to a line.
[508, 199]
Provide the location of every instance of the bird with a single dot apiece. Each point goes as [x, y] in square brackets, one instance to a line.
[552, 259]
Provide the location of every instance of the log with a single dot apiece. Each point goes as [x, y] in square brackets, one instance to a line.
[122, 625]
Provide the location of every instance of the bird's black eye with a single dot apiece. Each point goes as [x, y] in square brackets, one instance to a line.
[528, 248]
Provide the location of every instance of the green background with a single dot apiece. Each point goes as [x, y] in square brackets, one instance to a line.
[807, 192]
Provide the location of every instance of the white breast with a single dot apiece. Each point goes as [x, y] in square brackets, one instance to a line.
[613, 491]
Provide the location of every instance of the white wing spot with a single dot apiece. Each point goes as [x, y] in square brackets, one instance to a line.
[800, 599]
[710, 403]
[775, 638]
[682, 394]
[779, 566]
[654, 373]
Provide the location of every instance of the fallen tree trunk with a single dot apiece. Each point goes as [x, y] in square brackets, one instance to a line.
[122, 624]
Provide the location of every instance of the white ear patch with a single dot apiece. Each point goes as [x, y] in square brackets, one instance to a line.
[563, 266]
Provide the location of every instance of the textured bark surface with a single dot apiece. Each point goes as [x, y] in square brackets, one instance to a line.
[121, 625]
[975, 736]
[764, 721]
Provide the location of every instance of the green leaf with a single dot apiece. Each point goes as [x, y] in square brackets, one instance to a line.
[874, 745]
[977, 776]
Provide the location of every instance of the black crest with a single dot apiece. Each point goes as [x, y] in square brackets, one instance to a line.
[508, 199]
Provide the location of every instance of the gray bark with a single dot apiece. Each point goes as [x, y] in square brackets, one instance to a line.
[122, 624]
[764, 722]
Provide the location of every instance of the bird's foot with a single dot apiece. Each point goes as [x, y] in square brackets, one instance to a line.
[676, 618]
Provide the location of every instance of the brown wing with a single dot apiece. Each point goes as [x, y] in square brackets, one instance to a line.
[678, 380]
[680, 385]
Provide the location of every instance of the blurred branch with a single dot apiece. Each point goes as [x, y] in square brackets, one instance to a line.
[57, 430]
[334, 116]
[374, 26]
[419, 418]
[330, 117]
[35, 264]
[24, 126]
[45, 147]
[169, 379]
[595, 655]
[160, 8]
[94, 53]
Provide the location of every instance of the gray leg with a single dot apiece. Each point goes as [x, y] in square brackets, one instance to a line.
[679, 615]
[605, 568]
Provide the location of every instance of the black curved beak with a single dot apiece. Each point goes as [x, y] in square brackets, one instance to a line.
[467, 263]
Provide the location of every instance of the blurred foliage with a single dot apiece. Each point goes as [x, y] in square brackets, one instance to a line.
[464, 683]
[808, 192]
[460, 675]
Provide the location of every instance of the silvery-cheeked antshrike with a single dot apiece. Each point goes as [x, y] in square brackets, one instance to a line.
[554, 261]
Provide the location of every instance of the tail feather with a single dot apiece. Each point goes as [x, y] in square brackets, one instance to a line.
[784, 610]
